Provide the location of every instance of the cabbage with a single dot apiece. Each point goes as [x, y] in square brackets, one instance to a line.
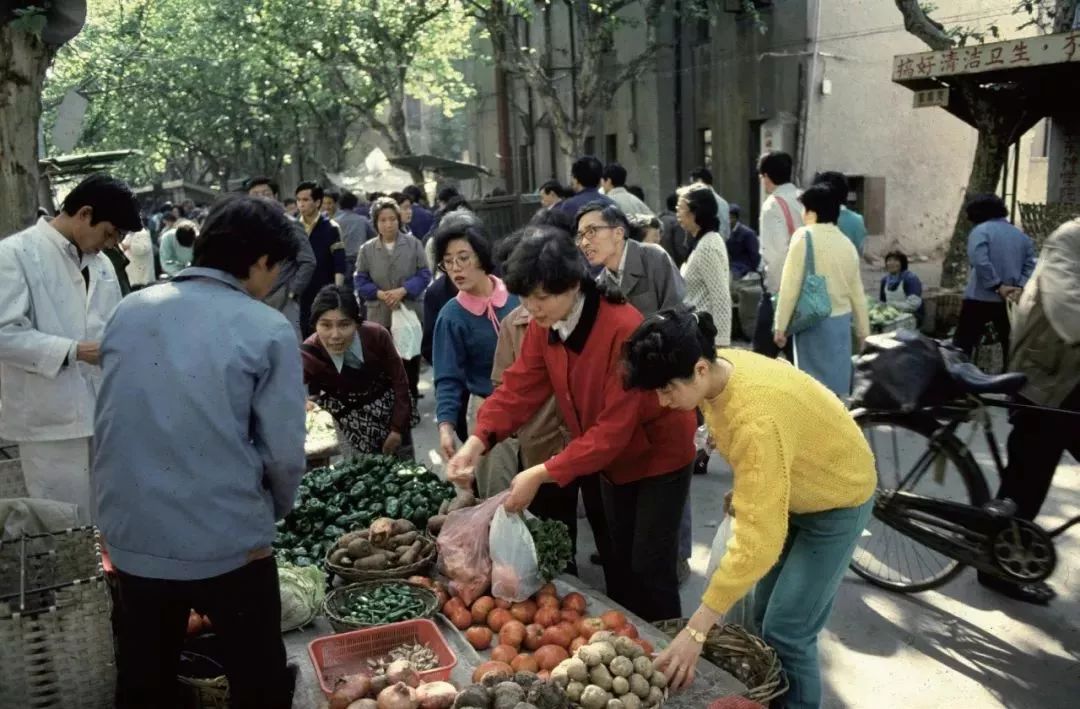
[302, 591]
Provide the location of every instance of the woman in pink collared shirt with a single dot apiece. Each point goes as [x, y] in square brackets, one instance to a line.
[467, 331]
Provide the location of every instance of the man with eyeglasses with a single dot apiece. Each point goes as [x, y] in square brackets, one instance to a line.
[57, 291]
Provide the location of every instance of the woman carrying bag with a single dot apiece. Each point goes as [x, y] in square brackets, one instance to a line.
[819, 315]
[642, 453]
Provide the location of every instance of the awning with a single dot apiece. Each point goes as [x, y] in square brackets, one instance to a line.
[63, 167]
[441, 166]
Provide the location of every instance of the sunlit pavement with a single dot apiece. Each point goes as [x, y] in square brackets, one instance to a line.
[958, 646]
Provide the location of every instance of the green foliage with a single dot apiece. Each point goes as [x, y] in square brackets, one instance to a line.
[31, 19]
[215, 89]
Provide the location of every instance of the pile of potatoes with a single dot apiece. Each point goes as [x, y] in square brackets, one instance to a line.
[611, 672]
[387, 544]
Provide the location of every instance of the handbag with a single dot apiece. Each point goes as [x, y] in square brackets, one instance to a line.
[814, 304]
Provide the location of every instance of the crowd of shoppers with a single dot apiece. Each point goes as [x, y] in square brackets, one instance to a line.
[568, 362]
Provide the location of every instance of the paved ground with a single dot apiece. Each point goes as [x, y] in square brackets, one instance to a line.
[959, 646]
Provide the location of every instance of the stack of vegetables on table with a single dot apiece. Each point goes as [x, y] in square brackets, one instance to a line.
[495, 688]
[388, 544]
[352, 495]
[302, 590]
[398, 687]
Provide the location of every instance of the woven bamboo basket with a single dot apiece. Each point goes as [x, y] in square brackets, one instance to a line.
[333, 606]
[56, 646]
[743, 655]
[350, 574]
[203, 676]
[12, 483]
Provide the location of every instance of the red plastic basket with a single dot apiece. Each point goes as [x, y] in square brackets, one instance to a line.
[347, 653]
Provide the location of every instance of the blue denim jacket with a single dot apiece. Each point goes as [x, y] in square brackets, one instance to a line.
[199, 430]
[999, 254]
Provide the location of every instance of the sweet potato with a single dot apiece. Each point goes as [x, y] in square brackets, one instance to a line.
[373, 562]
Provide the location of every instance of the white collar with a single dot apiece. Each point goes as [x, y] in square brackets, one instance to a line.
[64, 244]
[564, 328]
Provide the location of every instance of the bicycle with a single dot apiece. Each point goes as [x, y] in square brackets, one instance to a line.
[916, 540]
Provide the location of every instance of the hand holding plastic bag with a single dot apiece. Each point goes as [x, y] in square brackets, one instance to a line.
[464, 556]
[742, 613]
[515, 570]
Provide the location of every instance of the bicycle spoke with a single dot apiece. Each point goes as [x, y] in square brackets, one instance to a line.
[885, 555]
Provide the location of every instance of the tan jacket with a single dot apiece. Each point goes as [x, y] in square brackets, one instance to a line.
[545, 434]
[1046, 327]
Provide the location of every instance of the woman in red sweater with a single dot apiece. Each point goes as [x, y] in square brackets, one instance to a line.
[643, 452]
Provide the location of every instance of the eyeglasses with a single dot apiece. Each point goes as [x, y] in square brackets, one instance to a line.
[461, 261]
[590, 232]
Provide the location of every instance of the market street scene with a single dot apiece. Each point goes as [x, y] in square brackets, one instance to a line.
[468, 354]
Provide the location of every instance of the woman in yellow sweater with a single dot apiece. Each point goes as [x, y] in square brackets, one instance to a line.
[823, 350]
[804, 478]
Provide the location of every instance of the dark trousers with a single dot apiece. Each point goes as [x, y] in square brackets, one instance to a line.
[643, 520]
[1036, 443]
[412, 371]
[763, 342]
[974, 316]
[560, 503]
[244, 608]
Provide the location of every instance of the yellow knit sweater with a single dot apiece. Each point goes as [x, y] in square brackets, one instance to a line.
[793, 447]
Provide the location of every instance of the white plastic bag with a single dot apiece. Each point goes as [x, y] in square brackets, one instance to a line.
[719, 546]
[515, 571]
[742, 613]
[407, 332]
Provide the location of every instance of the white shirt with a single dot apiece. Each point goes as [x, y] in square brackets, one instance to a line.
[140, 253]
[773, 232]
[566, 327]
[617, 275]
[46, 309]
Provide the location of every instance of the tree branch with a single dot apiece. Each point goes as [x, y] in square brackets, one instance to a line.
[918, 23]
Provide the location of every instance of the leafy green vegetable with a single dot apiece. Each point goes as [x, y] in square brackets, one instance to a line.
[302, 590]
[553, 549]
[332, 501]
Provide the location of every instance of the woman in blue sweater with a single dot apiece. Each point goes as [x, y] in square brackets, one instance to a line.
[467, 330]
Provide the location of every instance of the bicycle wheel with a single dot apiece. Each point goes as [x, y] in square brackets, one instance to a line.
[885, 556]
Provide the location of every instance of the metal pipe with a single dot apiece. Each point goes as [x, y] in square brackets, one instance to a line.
[1016, 180]
[678, 43]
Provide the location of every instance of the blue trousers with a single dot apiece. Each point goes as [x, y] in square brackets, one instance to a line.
[793, 601]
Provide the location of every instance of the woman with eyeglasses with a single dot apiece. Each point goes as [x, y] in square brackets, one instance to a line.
[466, 332]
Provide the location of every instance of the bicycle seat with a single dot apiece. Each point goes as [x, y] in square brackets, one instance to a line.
[975, 381]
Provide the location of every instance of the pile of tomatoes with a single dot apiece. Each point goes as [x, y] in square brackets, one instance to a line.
[534, 635]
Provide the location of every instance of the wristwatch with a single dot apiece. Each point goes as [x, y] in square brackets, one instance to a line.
[696, 635]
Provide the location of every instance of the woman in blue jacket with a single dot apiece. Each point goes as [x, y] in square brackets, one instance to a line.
[901, 288]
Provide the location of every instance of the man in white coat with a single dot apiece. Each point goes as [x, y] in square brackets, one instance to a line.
[57, 291]
[781, 215]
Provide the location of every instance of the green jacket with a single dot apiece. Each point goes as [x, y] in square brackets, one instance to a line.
[1046, 327]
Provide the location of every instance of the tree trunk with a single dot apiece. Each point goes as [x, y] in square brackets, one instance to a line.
[998, 127]
[23, 61]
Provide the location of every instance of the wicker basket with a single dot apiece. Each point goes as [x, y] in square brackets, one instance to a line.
[350, 574]
[202, 675]
[56, 646]
[747, 657]
[336, 599]
[12, 483]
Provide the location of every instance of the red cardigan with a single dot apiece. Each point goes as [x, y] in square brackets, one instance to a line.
[625, 434]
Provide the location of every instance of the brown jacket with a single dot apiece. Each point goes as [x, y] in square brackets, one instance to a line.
[1046, 330]
[545, 434]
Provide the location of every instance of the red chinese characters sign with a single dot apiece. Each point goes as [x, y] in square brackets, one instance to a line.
[1029, 51]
